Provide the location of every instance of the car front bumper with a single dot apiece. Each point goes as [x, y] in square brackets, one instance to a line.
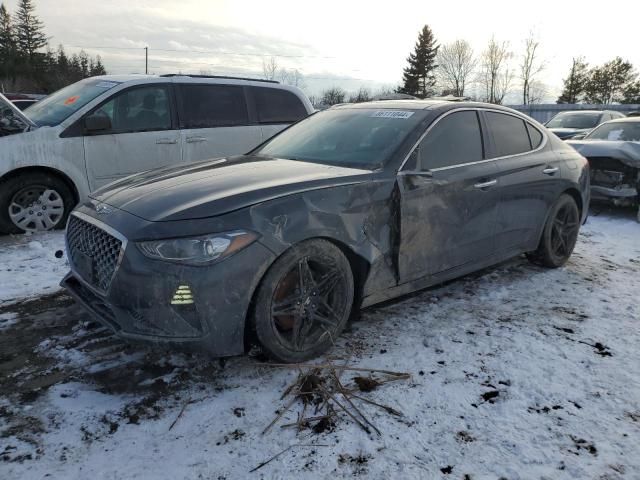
[202, 308]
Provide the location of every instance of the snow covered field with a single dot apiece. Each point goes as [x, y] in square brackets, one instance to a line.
[517, 372]
[29, 266]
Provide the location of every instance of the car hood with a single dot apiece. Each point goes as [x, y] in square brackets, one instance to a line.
[568, 132]
[12, 120]
[214, 187]
[626, 152]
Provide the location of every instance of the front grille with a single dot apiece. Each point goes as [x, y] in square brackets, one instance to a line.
[93, 252]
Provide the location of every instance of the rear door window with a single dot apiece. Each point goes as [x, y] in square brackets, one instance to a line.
[209, 106]
[509, 133]
[456, 139]
[274, 105]
[534, 135]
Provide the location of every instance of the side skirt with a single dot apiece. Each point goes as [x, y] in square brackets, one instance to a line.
[432, 280]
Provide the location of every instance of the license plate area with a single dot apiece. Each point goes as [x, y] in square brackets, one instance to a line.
[84, 265]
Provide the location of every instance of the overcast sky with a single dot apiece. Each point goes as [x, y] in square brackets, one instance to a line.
[344, 43]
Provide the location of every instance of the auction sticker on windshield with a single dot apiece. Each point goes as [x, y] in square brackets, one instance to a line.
[391, 114]
[106, 84]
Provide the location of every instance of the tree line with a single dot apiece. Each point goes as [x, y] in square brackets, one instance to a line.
[456, 69]
[24, 67]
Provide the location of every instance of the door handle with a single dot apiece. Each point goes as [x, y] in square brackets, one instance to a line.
[488, 184]
[550, 170]
[166, 141]
[196, 139]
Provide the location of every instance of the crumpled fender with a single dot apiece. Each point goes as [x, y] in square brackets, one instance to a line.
[626, 152]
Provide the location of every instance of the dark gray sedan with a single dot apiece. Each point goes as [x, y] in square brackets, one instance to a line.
[350, 207]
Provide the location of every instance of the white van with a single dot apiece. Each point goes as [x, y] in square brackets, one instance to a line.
[104, 128]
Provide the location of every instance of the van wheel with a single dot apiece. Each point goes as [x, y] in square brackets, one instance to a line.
[304, 301]
[560, 234]
[34, 202]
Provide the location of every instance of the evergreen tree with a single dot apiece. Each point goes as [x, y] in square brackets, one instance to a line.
[631, 93]
[419, 76]
[7, 44]
[575, 83]
[98, 68]
[607, 83]
[23, 65]
[84, 63]
[29, 30]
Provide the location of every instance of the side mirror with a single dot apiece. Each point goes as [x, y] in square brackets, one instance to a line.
[97, 123]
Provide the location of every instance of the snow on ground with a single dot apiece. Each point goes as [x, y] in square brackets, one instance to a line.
[517, 372]
[29, 266]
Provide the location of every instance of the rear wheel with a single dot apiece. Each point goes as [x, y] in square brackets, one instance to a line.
[560, 234]
[34, 202]
[304, 301]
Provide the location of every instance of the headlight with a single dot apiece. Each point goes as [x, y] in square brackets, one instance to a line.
[198, 250]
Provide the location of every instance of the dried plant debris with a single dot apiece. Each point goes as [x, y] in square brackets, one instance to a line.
[323, 399]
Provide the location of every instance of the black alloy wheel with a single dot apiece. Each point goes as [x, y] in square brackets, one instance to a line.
[560, 234]
[304, 301]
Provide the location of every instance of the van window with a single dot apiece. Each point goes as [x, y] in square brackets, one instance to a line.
[274, 105]
[509, 134]
[208, 106]
[138, 110]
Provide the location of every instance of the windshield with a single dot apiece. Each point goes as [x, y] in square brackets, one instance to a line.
[620, 131]
[574, 120]
[58, 106]
[359, 138]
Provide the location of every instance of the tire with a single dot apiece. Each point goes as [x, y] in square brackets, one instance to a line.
[18, 192]
[559, 235]
[293, 320]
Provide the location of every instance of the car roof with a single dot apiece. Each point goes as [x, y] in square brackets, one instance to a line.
[394, 104]
[423, 105]
[625, 120]
[191, 78]
[583, 111]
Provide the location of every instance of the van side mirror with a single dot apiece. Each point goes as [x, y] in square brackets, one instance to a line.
[97, 123]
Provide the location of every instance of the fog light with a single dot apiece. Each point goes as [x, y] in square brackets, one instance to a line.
[183, 296]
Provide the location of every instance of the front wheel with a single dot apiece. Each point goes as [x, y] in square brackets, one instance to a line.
[34, 202]
[304, 301]
[560, 234]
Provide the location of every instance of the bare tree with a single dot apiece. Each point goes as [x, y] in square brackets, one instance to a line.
[290, 77]
[283, 75]
[496, 75]
[296, 78]
[333, 96]
[362, 95]
[455, 66]
[530, 67]
[315, 100]
[270, 68]
[537, 92]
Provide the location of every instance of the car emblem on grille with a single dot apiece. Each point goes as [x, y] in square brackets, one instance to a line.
[103, 209]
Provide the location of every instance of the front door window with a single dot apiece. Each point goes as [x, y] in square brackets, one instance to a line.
[138, 110]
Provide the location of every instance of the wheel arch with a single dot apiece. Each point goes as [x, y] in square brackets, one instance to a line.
[575, 194]
[360, 268]
[43, 169]
[577, 197]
